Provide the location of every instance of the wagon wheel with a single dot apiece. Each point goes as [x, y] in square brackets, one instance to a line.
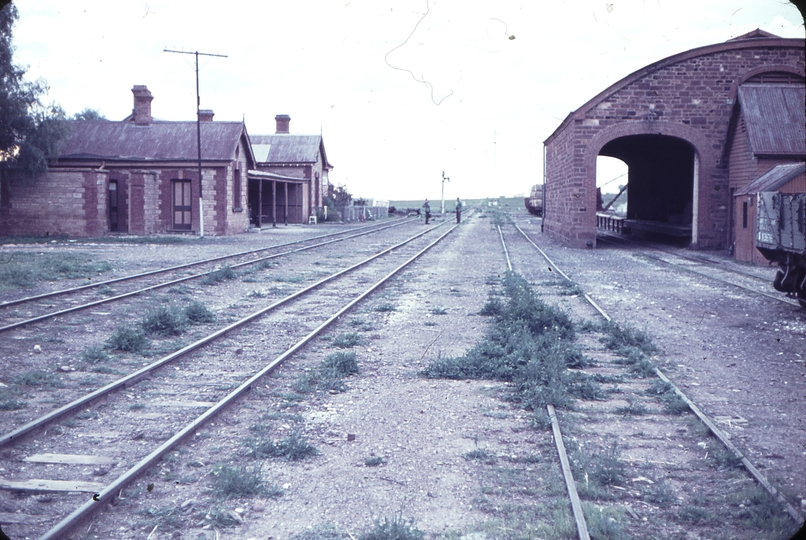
[776, 282]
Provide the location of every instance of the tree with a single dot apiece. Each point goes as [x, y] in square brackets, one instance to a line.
[29, 131]
[89, 114]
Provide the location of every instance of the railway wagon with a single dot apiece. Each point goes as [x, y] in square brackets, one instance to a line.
[781, 238]
[534, 202]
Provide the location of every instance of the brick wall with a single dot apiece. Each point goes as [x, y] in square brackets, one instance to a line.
[689, 96]
[64, 202]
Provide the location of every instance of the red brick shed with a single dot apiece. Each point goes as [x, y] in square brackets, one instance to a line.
[670, 123]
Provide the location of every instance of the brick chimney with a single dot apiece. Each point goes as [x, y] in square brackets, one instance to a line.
[142, 104]
[282, 123]
[206, 115]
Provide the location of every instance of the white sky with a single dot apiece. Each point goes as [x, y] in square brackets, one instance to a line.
[328, 64]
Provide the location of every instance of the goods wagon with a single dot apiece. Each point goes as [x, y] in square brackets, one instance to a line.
[781, 238]
[534, 202]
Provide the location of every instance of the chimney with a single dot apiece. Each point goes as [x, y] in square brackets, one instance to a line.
[282, 123]
[206, 115]
[142, 104]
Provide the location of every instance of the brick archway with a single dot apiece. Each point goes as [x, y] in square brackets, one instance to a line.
[706, 160]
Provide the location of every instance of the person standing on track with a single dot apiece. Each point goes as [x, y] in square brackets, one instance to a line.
[427, 209]
[458, 210]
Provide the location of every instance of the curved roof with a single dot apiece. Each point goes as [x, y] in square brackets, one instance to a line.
[157, 141]
[757, 38]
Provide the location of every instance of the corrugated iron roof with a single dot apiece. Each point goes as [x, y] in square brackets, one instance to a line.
[155, 141]
[774, 178]
[775, 118]
[287, 148]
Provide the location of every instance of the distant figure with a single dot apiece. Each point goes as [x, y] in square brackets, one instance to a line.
[458, 210]
[427, 209]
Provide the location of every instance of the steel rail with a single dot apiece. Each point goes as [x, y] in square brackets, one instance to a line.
[615, 239]
[779, 298]
[568, 475]
[718, 433]
[142, 372]
[564, 275]
[180, 280]
[180, 266]
[108, 493]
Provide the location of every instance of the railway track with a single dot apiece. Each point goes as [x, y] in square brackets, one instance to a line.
[703, 266]
[647, 432]
[51, 304]
[163, 398]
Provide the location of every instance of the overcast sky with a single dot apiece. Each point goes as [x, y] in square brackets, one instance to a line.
[499, 75]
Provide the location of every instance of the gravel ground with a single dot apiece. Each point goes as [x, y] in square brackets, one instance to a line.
[739, 357]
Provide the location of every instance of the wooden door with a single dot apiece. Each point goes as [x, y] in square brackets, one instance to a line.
[182, 205]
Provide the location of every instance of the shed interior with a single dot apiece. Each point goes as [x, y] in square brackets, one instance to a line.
[660, 183]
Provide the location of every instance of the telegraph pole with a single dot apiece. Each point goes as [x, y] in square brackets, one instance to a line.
[198, 129]
[444, 179]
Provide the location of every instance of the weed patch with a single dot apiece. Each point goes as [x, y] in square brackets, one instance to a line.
[225, 273]
[127, 340]
[530, 345]
[232, 481]
[94, 355]
[292, 448]
[345, 341]
[27, 269]
[164, 321]
[198, 313]
[395, 529]
[374, 461]
[38, 378]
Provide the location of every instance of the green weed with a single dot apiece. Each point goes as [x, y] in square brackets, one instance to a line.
[345, 341]
[94, 354]
[27, 269]
[127, 340]
[438, 311]
[198, 313]
[374, 461]
[529, 345]
[292, 448]
[38, 378]
[385, 307]
[633, 408]
[395, 529]
[225, 273]
[12, 405]
[233, 481]
[164, 321]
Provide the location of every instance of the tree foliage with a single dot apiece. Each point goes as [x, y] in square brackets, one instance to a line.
[89, 114]
[29, 130]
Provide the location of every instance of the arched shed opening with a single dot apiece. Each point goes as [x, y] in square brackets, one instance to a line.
[660, 184]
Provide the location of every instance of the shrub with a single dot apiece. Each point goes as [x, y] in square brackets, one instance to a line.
[292, 448]
[127, 340]
[198, 313]
[374, 461]
[232, 481]
[37, 378]
[94, 355]
[164, 321]
[215, 277]
[395, 529]
[345, 341]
